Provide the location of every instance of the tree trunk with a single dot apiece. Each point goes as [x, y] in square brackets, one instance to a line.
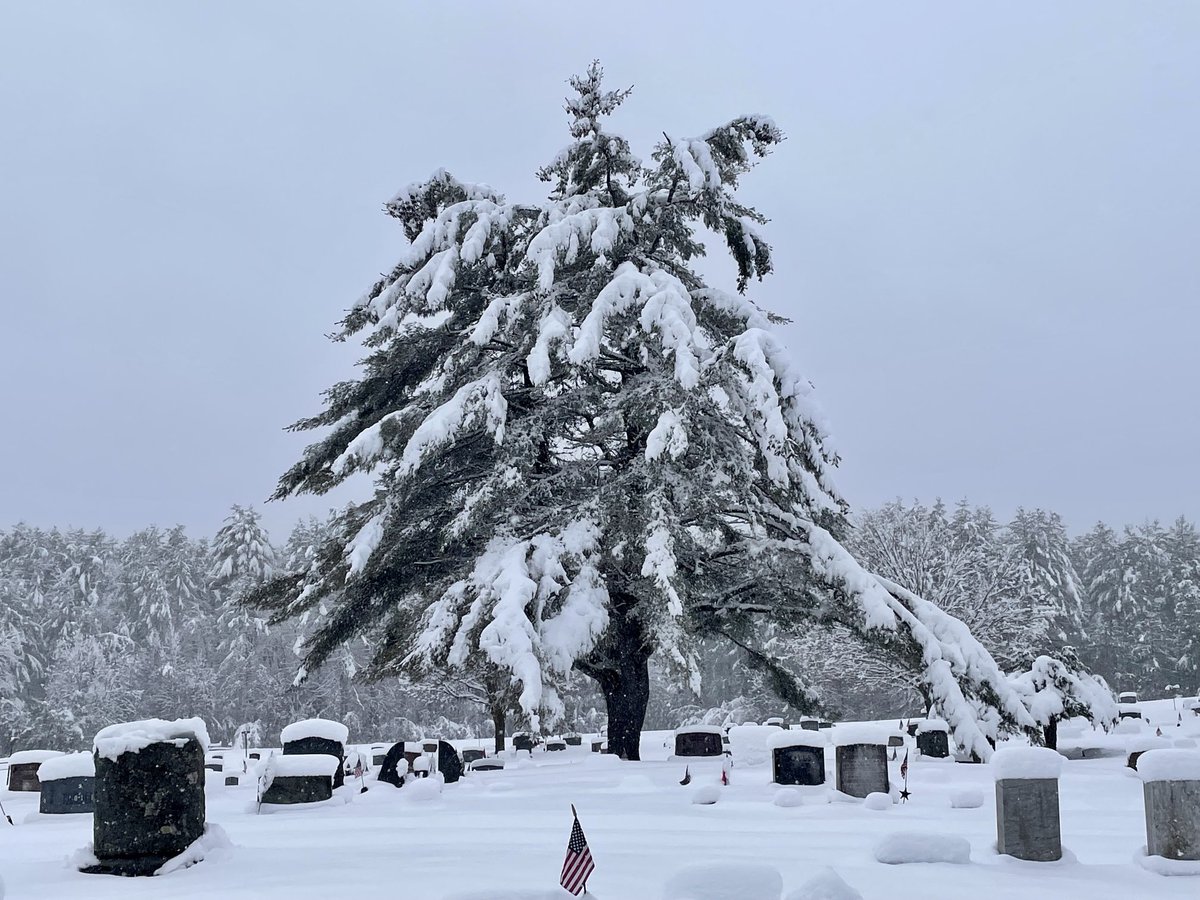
[1050, 732]
[498, 719]
[620, 665]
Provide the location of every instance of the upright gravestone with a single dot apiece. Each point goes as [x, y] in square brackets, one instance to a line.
[429, 746]
[810, 724]
[1136, 746]
[933, 738]
[699, 740]
[1171, 787]
[317, 737]
[448, 762]
[23, 769]
[555, 744]
[298, 777]
[798, 757]
[396, 764]
[573, 740]
[522, 741]
[471, 754]
[1027, 821]
[149, 794]
[860, 761]
[68, 784]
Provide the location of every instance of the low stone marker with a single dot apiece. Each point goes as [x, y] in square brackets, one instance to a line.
[1027, 821]
[554, 745]
[776, 721]
[317, 736]
[1136, 746]
[933, 738]
[573, 740]
[798, 757]
[597, 746]
[23, 769]
[810, 724]
[68, 784]
[472, 754]
[488, 764]
[860, 761]
[1171, 787]
[149, 794]
[298, 777]
[699, 740]
[821, 725]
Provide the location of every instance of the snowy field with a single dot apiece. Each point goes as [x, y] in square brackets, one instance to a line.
[503, 834]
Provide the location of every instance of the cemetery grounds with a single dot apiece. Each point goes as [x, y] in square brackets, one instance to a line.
[502, 834]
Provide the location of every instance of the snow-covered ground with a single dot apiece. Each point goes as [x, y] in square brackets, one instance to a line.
[496, 834]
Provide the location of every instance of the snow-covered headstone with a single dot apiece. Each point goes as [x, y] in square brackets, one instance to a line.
[1135, 747]
[798, 757]
[1027, 819]
[523, 741]
[471, 754]
[1171, 786]
[68, 784]
[699, 740]
[23, 769]
[810, 724]
[149, 794]
[933, 738]
[860, 760]
[449, 763]
[298, 777]
[317, 736]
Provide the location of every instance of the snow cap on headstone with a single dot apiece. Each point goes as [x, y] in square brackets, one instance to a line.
[1169, 765]
[69, 765]
[131, 737]
[796, 738]
[1026, 762]
[315, 728]
[24, 757]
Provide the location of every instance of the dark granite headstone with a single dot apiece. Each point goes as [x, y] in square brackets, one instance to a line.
[149, 807]
[1173, 819]
[698, 743]
[522, 742]
[307, 745]
[214, 766]
[574, 740]
[798, 765]
[487, 765]
[1027, 823]
[597, 746]
[23, 777]
[288, 789]
[254, 754]
[896, 740]
[554, 746]
[810, 725]
[821, 725]
[469, 756]
[861, 769]
[933, 743]
[232, 781]
[67, 795]
[430, 746]
[377, 759]
[395, 765]
[448, 762]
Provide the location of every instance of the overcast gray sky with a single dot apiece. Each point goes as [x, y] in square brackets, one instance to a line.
[986, 221]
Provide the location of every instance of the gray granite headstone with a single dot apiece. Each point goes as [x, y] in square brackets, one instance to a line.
[1173, 819]
[698, 743]
[1027, 823]
[67, 795]
[798, 765]
[861, 769]
[288, 789]
[149, 807]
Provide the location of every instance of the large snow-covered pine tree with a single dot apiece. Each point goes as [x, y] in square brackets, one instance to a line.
[584, 454]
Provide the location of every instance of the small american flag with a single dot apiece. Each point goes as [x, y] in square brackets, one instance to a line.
[578, 865]
[357, 768]
[904, 767]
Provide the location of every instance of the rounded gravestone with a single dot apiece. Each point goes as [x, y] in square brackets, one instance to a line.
[68, 784]
[149, 794]
[317, 737]
[23, 768]
[448, 762]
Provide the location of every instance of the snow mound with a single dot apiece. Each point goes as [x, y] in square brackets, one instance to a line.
[1169, 765]
[966, 798]
[914, 847]
[318, 728]
[132, 737]
[69, 765]
[212, 843]
[825, 885]
[1026, 762]
[798, 738]
[927, 725]
[24, 757]
[706, 794]
[1160, 865]
[422, 790]
[1184, 743]
[751, 743]
[635, 784]
[725, 881]
[1128, 726]
[788, 797]
[877, 800]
